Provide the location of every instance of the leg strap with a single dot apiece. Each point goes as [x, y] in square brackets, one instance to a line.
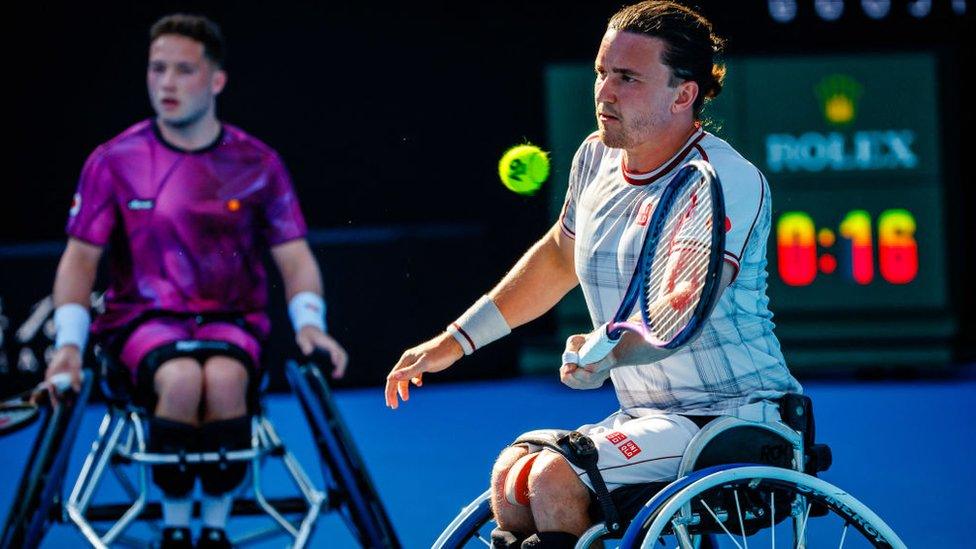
[172, 437]
[579, 450]
[224, 436]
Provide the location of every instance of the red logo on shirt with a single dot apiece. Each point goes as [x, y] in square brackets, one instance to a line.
[728, 224]
[233, 205]
[630, 449]
[645, 214]
[616, 437]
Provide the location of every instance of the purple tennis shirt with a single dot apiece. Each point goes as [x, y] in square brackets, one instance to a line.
[186, 230]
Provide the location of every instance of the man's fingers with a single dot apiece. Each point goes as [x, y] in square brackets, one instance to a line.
[574, 342]
[403, 389]
[339, 360]
[407, 372]
[390, 394]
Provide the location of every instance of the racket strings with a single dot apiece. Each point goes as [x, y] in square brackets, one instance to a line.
[13, 415]
[680, 263]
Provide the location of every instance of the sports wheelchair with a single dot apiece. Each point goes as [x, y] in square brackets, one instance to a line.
[120, 447]
[739, 481]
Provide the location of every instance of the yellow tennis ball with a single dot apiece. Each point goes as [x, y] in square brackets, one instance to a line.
[524, 168]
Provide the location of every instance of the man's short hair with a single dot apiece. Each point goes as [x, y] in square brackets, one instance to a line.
[195, 27]
[692, 46]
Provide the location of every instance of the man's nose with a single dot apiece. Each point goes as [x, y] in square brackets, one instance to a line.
[604, 92]
[168, 79]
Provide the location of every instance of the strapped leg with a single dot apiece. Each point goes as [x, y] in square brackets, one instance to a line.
[224, 435]
[172, 437]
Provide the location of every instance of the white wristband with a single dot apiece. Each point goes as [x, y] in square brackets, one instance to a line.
[479, 325]
[71, 322]
[307, 309]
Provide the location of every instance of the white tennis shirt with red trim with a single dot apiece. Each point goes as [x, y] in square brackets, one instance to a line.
[735, 366]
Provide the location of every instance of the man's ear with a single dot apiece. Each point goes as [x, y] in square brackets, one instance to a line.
[686, 93]
[218, 81]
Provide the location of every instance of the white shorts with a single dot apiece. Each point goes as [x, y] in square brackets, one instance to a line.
[636, 450]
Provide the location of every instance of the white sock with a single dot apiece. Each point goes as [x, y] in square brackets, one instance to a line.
[177, 511]
[215, 509]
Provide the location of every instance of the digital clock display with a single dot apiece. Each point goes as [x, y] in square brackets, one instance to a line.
[804, 251]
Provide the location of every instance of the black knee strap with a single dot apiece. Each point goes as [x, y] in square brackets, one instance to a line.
[503, 539]
[224, 436]
[172, 437]
[579, 450]
[550, 540]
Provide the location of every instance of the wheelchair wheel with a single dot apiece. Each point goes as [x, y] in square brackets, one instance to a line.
[38, 501]
[472, 526]
[350, 488]
[740, 504]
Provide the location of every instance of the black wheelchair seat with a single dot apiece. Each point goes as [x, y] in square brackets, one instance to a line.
[115, 379]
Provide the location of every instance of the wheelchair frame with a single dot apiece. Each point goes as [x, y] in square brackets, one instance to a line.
[675, 499]
[121, 444]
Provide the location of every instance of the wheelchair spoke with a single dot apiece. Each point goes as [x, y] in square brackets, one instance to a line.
[772, 518]
[742, 526]
[714, 516]
[803, 527]
[843, 535]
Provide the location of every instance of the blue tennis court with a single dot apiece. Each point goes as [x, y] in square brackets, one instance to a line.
[901, 447]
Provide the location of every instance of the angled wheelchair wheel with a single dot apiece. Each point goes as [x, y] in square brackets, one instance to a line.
[471, 528]
[740, 505]
[350, 488]
[39, 492]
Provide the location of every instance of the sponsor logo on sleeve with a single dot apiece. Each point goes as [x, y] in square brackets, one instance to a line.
[75, 205]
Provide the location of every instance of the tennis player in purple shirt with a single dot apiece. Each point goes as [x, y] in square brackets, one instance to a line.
[186, 206]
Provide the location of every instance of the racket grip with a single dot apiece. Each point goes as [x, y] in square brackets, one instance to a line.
[61, 382]
[597, 346]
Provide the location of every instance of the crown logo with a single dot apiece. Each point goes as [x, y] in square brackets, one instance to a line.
[839, 95]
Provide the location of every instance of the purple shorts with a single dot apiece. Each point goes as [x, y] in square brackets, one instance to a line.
[157, 332]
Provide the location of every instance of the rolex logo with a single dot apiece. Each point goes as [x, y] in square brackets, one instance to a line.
[839, 95]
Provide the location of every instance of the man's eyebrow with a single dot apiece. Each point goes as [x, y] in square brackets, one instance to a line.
[619, 70]
[625, 71]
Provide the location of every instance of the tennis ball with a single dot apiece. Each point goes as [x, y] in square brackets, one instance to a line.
[524, 168]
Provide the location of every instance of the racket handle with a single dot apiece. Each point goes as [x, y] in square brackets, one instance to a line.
[61, 382]
[597, 346]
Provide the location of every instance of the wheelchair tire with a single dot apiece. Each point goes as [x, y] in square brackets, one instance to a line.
[685, 504]
[38, 501]
[469, 525]
[350, 488]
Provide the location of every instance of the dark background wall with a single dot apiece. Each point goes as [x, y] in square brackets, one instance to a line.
[390, 116]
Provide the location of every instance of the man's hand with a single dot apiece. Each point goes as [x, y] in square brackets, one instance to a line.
[310, 338]
[67, 359]
[434, 355]
[587, 376]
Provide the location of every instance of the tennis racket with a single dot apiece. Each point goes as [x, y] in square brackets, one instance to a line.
[24, 409]
[676, 280]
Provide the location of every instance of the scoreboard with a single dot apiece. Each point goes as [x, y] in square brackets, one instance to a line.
[851, 147]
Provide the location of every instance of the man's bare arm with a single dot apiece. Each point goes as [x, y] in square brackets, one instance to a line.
[544, 274]
[73, 283]
[299, 270]
[75, 277]
[300, 273]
